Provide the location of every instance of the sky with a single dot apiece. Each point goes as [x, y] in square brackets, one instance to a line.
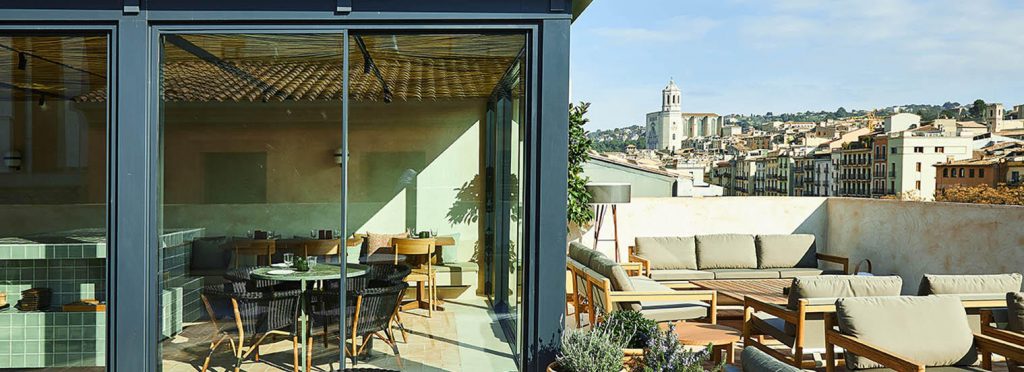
[755, 56]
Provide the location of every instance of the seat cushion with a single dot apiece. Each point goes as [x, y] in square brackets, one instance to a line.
[794, 272]
[931, 330]
[211, 253]
[681, 274]
[726, 251]
[668, 253]
[934, 369]
[786, 251]
[664, 311]
[754, 360]
[745, 274]
[580, 253]
[960, 284]
[1015, 311]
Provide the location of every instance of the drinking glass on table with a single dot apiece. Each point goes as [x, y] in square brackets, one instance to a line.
[312, 234]
[311, 260]
[289, 258]
[433, 233]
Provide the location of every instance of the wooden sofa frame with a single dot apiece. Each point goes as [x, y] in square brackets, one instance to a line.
[612, 297]
[987, 319]
[645, 264]
[798, 318]
[985, 344]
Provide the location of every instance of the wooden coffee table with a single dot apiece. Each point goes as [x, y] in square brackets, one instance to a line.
[720, 337]
[765, 290]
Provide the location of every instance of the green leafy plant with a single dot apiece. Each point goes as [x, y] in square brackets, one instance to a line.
[589, 351]
[579, 211]
[665, 354]
[629, 328]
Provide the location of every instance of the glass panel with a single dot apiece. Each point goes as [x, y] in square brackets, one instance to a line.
[53, 191]
[427, 158]
[251, 130]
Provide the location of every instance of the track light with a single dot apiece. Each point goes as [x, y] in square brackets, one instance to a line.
[22, 61]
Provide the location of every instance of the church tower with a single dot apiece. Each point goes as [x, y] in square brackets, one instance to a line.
[670, 97]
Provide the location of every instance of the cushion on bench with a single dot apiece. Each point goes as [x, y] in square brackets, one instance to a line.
[836, 286]
[793, 272]
[754, 360]
[681, 274]
[666, 311]
[726, 251]
[613, 271]
[745, 274]
[580, 253]
[931, 330]
[786, 251]
[671, 253]
[962, 284]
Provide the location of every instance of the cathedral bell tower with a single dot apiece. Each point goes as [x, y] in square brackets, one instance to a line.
[670, 97]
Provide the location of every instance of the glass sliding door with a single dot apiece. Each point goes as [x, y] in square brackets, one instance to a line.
[251, 130]
[420, 173]
[53, 190]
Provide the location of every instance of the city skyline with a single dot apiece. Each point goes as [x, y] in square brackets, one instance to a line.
[793, 55]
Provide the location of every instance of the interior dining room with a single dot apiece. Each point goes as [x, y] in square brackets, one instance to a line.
[340, 196]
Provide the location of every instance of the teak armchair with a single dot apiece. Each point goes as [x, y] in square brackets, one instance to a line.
[987, 345]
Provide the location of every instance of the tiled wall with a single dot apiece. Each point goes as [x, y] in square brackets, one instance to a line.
[69, 279]
[51, 339]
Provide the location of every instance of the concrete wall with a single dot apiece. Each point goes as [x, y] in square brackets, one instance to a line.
[688, 217]
[914, 238]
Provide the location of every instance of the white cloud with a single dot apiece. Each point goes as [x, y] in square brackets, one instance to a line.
[675, 29]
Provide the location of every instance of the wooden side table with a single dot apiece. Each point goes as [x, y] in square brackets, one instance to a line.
[720, 337]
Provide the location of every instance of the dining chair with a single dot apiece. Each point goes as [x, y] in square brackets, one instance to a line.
[255, 315]
[424, 272]
[369, 313]
[254, 247]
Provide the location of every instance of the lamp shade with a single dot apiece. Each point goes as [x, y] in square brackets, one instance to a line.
[609, 193]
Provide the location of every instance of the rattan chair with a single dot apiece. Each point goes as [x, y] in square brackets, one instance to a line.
[255, 314]
[368, 313]
[379, 275]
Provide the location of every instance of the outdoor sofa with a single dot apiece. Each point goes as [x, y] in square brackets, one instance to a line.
[977, 292]
[601, 285]
[908, 333]
[800, 324]
[731, 256]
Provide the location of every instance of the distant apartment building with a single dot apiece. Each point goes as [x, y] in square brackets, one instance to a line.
[901, 122]
[823, 174]
[760, 142]
[880, 172]
[666, 129]
[778, 168]
[803, 175]
[913, 155]
[990, 166]
[855, 170]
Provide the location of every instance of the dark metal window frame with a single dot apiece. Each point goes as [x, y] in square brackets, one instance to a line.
[133, 152]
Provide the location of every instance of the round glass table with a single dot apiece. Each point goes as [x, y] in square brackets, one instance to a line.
[318, 272]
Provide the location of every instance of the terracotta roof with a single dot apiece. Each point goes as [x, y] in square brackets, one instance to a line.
[700, 114]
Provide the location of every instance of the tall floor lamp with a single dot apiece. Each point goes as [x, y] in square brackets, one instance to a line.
[602, 196]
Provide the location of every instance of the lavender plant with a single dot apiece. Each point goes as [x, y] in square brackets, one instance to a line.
[630, 328]
[589, 351]
[665, 354]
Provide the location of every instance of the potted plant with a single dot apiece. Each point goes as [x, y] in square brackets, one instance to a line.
[633, 331]
[664, 354]
[588, 351]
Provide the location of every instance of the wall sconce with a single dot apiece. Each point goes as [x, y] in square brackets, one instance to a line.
[339, 157]
[12, 159]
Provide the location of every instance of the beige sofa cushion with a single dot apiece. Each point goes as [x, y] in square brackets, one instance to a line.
[613, 271]
[745, 274]
[665, 311]
[836, 286]
[786, 251]
[681, 274]
[931, 330]
[754, 360]
[580, 253]
[963, 284]
[1015, 311]
[793, 272]
[668, 253]
[726, 251]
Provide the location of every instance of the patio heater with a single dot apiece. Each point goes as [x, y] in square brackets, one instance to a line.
[604, 195]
